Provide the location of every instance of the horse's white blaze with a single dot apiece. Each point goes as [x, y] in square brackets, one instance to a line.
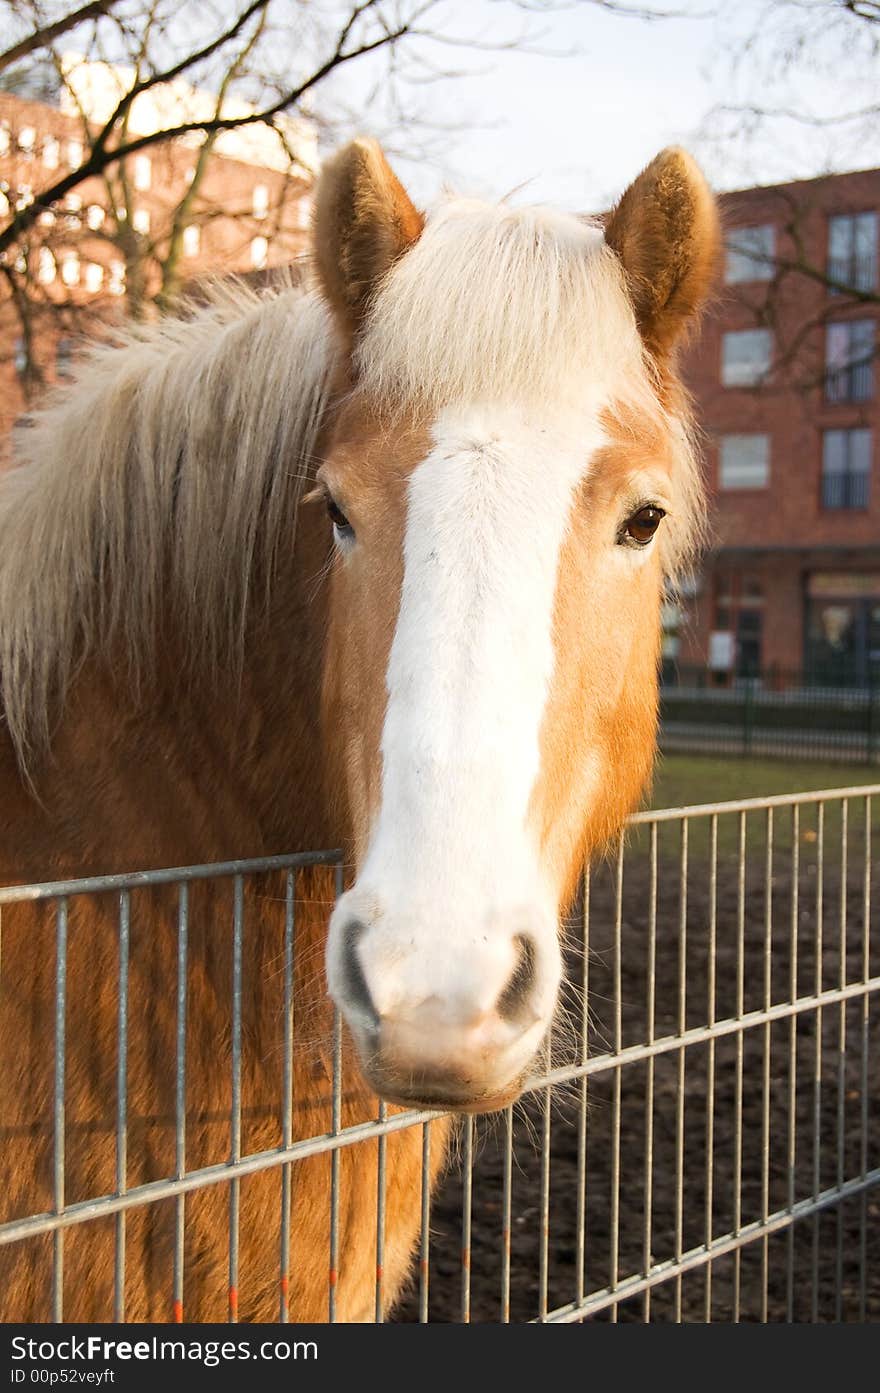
[453, 872]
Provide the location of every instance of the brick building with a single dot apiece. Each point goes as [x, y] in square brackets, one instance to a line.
[786, 384]
[250, 213]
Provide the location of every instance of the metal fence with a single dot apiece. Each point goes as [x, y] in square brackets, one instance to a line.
[702, 1141]
[775, 713]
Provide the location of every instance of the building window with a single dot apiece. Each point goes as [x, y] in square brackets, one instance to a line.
[95, 216]
[140, 220]
[744, 462]
[192, 240]
[27, 139]
[64, 358]
[849, 360]
[259, 253]
[51, 152]
[846, 468]
[46, 267]
[74, 153]
[94, 277]
[116, 285]
[749, 254]
[261, 200]
[852, 250]
[142, 172]
[70, 269]
[745, 357]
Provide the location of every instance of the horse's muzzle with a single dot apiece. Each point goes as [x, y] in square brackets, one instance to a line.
[461, 1037]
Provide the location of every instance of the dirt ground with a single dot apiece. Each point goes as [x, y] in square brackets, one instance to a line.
[825, 1268]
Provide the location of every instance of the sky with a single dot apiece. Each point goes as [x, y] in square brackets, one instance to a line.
[573, 130]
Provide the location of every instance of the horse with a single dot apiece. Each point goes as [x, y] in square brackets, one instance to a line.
[373, 562]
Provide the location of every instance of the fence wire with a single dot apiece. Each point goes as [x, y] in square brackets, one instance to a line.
[700, 1141]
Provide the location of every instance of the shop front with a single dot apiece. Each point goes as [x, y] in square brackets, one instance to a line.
[842, 628]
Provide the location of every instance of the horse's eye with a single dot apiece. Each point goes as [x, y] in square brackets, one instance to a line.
[640, 528]
[337, 516]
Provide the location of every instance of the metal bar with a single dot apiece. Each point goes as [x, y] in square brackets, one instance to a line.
[738, 1065]
[180, 1100]
[235, 1107]
[710, 1062]
[863, 1108]
[287, 1093]
[336, 1125]
[466, 1214]
[138, 880]
[650, 1030]
[765, 1086]
[381, 1181]
[49, 890]
[746, 805]
[543, 1259]
[580, 1245]
[121, 1102]
[680, 1079]
[841, 1056]
[696, 1258]
[617, 1006]
[817, 1049]
[61, 916]
[506, 1215]
[791, 1159]
[425, 1237]
[700, 1035]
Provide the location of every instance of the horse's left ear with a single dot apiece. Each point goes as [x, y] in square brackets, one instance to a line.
[364, 220]
[666, 231]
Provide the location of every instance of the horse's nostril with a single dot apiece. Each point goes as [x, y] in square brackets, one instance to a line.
[358, 1001]
[513, 1003]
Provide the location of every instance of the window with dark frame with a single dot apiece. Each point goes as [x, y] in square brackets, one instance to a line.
[846, 468]
[849, 360]
[852, 250]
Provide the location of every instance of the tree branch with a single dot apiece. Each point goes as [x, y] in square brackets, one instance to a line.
[50, 32]
[100, 157]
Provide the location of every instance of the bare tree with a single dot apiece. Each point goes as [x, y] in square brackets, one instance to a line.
[806, 79]
[255, 65]
[44, 34]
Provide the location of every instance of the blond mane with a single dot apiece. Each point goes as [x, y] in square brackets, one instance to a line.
[166, 474]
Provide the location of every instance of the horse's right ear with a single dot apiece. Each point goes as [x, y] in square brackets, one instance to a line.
[364, 220]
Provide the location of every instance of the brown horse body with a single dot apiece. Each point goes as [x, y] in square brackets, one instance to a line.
[169, 751]
[206, 780]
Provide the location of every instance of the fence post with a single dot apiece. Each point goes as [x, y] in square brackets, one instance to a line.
[870, 722]
[748, 715]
